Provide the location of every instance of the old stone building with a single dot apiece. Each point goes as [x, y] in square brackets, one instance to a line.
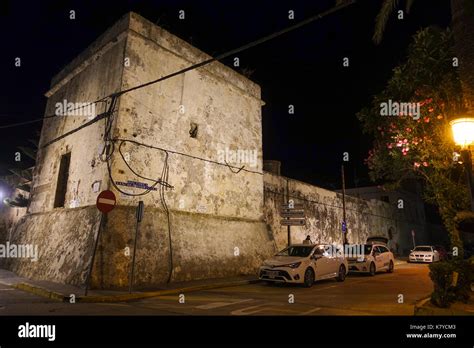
[216, 215]
[200, 133]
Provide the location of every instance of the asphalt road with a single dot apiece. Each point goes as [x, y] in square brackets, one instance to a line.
[358, 295]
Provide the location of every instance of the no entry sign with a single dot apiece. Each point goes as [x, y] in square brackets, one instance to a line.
[106, 201]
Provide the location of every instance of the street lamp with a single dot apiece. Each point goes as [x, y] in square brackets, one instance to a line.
[463, 134]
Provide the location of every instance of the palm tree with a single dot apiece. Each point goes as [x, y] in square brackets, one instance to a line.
[462, 24]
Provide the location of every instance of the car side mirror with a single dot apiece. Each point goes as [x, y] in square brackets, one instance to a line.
[316, 256]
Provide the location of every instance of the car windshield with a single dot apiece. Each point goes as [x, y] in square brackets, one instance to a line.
[367, 249]
[422, 249]
[301, 251]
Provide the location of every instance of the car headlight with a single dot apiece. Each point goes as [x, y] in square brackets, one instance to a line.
[292, 265]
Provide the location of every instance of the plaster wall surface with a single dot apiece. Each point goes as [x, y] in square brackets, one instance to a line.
[64, 241]
[97, 76]
[64, 235]
[324, 214]
[225, 107]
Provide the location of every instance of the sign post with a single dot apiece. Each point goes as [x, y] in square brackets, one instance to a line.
[413, 237]
[292, 215]
[139, 216]
[344, 221]
[105, 203]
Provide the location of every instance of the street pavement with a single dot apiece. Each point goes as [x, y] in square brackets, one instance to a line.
[383, 294]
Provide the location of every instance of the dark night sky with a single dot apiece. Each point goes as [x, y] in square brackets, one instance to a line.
[303, 68]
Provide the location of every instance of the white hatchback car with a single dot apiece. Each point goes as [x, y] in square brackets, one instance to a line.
[305, 263]
[424, 253]
[374, 257]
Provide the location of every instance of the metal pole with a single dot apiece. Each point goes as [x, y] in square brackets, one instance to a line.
[344, 233]
[132, 271]
[93, 256]
[467, 159]
[288, 203]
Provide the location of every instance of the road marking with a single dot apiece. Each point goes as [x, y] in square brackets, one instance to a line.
[220, 304]
[190, 297]
[311, 311]
[243, 310]
[113, 304]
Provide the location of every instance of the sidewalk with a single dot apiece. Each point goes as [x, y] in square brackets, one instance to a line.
[63, 292]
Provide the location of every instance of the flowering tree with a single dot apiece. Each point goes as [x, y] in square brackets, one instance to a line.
[416, 141]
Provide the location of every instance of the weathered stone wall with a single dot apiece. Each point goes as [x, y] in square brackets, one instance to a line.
[217, 226]
[324, 214]
[65, 241]
[215, 213]
[96, 75]
[64, 235]
[226, 107]
[203, 246]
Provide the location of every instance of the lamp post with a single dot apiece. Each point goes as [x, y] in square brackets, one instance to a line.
[463, 134]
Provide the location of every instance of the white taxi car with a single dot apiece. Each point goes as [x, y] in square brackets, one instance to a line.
[304, 264]
[373, 258]
[424, 253]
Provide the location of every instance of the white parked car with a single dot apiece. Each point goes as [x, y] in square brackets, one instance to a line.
[424, 253]
[374, 257]
[304, 264]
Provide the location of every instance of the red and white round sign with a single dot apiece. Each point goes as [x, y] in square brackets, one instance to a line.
[106, 201]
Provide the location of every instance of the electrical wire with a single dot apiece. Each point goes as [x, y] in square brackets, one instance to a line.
[333, 206]
[245, 47]
[108, 151]
[187, 155]
[102, 100]
[208, 61]
[109, 146]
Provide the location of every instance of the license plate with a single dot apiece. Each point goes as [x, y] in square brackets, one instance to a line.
[272, 274]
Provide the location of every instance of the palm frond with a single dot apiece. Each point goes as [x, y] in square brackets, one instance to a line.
[382, 19]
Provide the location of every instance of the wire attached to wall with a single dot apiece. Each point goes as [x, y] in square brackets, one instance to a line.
[162, 181]
[225, 164]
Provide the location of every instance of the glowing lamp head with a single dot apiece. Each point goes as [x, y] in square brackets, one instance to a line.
[463, 131]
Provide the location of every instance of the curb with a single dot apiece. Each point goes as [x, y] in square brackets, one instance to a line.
[37, 290]
[418, 308]
[421, 310]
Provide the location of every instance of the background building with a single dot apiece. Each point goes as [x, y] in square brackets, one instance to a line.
[410, 213]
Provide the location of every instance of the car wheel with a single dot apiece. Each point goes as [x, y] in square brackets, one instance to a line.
[372, 269]
[342, 274]
[390, 267]
[308, 278]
